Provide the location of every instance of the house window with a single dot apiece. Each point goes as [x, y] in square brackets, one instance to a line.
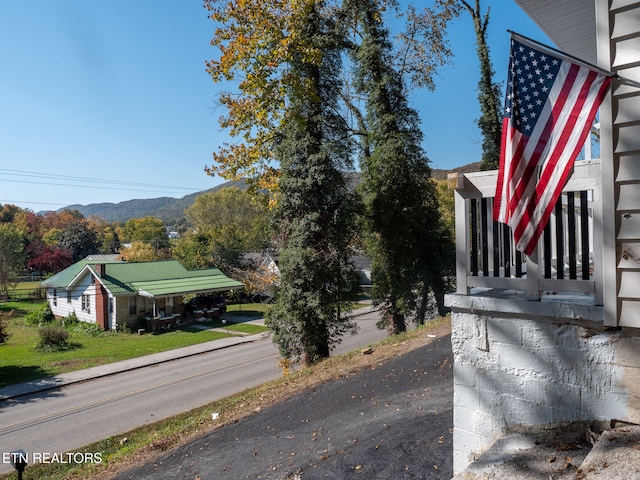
[86, 306]
[68, 296]
[55, 297]
[132, 305]
[110, 304]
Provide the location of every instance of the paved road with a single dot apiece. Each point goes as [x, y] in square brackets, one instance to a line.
[64, 419]
[386, 423]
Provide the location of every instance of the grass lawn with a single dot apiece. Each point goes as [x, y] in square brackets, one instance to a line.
[28, 289]
[20, 362]
[247, 309]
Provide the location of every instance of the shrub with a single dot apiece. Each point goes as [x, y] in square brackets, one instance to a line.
[52, 339]
[39, 316]
[89, 329]
[4, 331]
[70, 320]
[124, 328]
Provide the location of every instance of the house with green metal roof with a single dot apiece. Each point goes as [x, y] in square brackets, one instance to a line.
[109, 293]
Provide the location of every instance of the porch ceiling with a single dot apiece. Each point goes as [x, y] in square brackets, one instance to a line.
[570, 24]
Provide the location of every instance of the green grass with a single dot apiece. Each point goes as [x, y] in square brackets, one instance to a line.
[236, 327]
[248, 309]
[27, 290]
[20, 362]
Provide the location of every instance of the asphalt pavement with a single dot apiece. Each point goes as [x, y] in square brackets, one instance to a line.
[393, 421]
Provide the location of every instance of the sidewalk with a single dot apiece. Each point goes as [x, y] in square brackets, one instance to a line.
[43, 384]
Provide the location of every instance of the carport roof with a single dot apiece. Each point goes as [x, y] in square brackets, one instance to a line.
[183, 286]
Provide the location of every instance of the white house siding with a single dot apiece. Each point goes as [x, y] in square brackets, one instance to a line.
[64, 308]
[619, 50]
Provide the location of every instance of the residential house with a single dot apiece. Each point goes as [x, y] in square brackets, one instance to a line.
[554, 338]
[109, 293]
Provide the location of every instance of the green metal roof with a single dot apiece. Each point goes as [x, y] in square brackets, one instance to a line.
[153, 279]
[66, 276]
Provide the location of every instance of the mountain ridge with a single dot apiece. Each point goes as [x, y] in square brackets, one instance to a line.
[171, 210]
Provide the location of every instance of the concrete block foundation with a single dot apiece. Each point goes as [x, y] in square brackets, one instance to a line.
[522, 366]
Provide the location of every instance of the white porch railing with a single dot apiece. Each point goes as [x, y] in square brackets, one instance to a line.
[569, 255]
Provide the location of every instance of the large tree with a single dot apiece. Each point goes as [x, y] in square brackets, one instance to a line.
[149, 230]
[11, 255]
[239, 218]
[267, 48]
[401, 208]
[315, 209]
[79, 239]
[223, 225]
[47, 258]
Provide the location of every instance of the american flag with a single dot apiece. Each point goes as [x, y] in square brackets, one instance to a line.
[549, 108]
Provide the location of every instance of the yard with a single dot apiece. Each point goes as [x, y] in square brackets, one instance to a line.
[19, 361]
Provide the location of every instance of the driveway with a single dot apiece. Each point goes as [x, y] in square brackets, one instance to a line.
[392, 421]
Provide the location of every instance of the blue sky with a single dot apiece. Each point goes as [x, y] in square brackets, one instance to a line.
[110, 101]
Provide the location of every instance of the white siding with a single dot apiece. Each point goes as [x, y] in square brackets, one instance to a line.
[63, 308]
[619, 50]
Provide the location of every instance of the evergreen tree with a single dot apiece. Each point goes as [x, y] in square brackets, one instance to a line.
[401, 208]
[315, 208]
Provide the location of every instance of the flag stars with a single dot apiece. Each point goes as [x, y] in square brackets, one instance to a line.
[532, 74]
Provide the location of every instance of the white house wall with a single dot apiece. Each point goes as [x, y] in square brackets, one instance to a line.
[619, 50]
[64, 308]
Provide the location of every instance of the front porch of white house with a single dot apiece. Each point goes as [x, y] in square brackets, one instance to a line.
[162, 302]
